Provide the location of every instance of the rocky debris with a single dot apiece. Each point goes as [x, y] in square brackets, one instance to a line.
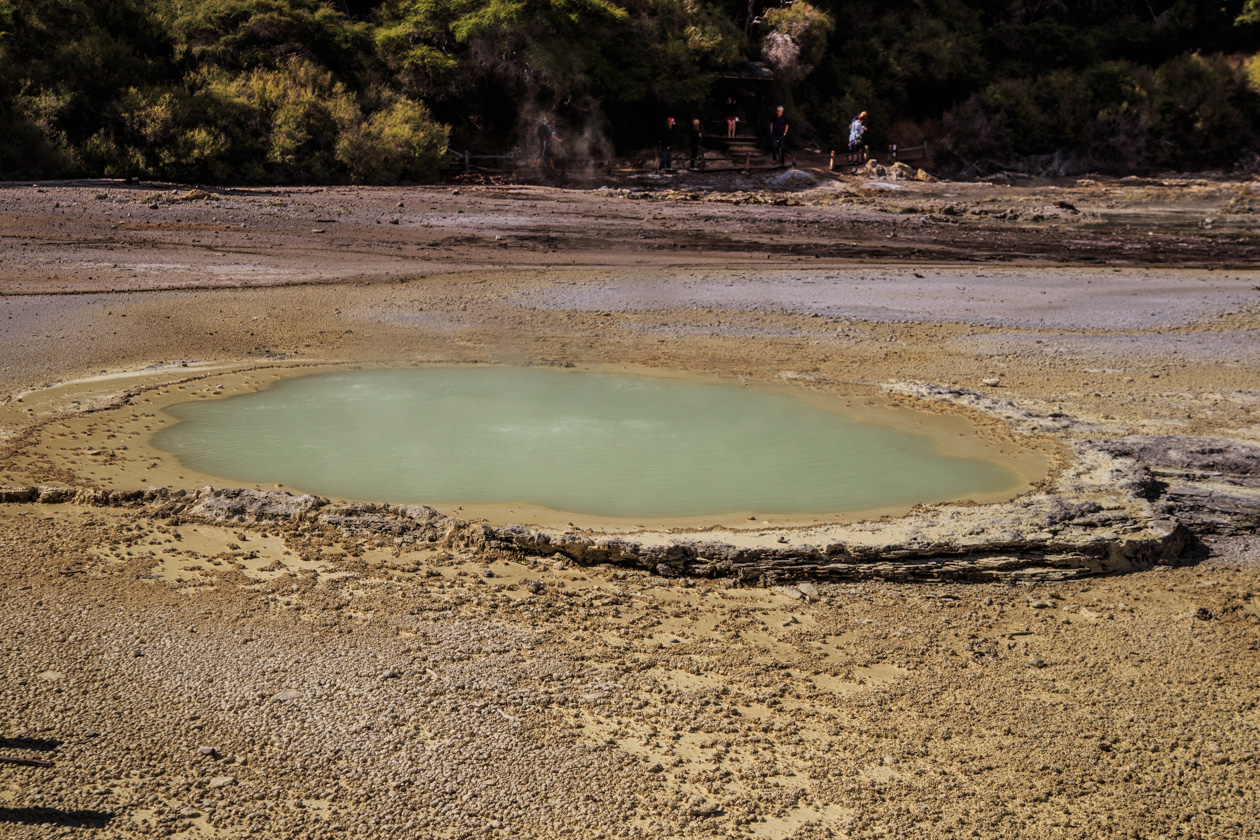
[1211, 484]
[242, 505]
[1221, 459]
[894, 172]
[1109, 525]
[1022, 418]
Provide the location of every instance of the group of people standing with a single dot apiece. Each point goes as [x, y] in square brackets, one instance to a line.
[668, 137]
[778, 137]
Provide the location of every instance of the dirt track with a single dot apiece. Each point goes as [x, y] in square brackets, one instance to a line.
[355, 686]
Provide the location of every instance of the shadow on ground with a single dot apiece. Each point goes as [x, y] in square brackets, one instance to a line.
[56, 816]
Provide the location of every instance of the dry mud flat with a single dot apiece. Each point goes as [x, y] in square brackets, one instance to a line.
[203, 664]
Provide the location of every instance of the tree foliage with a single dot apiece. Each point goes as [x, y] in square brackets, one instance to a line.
[796, 39]
[372, 91]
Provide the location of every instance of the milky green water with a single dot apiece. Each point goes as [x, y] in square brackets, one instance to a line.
[576, 441]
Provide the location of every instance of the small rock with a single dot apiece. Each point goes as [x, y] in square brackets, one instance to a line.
[287, 695]
[992, 382]
[533, 586]
[221, 782]
[211, 751]
[389, 674]
[1037, 662]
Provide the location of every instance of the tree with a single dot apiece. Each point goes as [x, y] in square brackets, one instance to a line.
[796, 40]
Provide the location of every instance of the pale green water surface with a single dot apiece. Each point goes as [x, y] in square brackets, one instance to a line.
[584, 442]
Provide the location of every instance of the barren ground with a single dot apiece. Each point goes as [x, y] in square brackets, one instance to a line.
[194, 679]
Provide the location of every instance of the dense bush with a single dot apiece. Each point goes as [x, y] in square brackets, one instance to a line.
[372, 90]
[1113, 116]
[400, 143]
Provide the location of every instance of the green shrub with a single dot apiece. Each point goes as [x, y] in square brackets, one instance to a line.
[400, 143]
[1204, 108]
[1193, 110]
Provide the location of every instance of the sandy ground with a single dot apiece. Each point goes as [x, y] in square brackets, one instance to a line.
[194, 680]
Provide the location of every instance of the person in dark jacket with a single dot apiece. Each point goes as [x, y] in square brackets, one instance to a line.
[665, 145]
[778, 136]
[546, 141]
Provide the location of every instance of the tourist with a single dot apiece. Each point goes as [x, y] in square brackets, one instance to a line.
[857, 130]
[778, 136]
[732, 119]
[665, 143]
[546, 134]
[696, 134]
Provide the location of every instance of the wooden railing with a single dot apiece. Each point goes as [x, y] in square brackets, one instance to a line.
[908, 152]
[895, 153]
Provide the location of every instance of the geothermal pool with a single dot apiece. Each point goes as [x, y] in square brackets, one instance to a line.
[585, 442]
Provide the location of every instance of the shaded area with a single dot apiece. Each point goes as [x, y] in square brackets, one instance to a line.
[56, 816]
[42, 744]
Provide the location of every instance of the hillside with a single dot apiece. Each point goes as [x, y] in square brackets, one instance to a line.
[372, 91]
